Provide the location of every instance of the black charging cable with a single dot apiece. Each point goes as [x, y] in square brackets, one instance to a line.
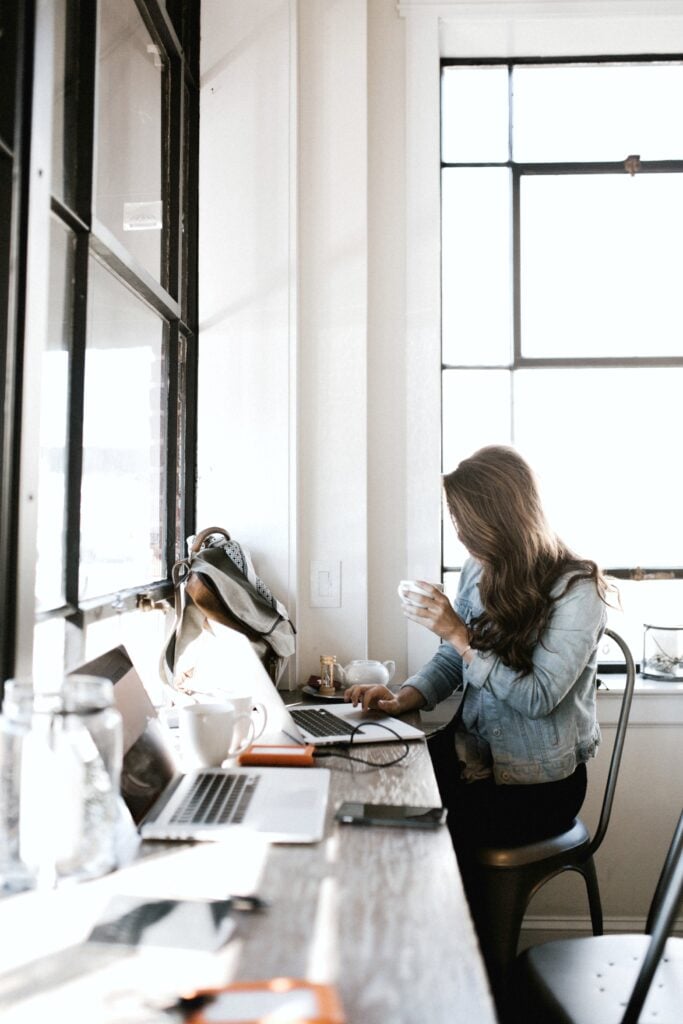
[344, 755]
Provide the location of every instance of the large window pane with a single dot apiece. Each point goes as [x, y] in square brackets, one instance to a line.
[58, 106]
[602, 112]
[601, 266]
[128, 181]
[49, 652]
[54, 397]
[186, 289]
[606, 444]
[181, 433]
[451, 581]
[5, 228]
[476, 266]
[123, 441]
[465, 394]
[474, 115]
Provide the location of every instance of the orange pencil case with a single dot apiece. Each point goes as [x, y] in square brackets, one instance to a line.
[287, 755]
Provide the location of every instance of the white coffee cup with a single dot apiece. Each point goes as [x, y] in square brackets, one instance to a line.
[207, 731]
[409, 591]
[249, 711]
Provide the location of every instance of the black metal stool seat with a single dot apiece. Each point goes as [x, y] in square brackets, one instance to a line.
[612, 979]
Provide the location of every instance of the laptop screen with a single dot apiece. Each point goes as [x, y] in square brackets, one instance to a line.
[149, 763]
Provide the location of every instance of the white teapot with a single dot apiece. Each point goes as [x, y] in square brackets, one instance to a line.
[363, 671]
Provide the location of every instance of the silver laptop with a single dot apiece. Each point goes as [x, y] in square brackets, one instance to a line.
[320, 724]
[286, 805]
[342, 723]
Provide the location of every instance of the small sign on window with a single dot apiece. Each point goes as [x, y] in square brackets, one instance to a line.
[142, 216]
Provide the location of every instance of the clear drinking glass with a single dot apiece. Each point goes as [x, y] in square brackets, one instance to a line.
[15, 721]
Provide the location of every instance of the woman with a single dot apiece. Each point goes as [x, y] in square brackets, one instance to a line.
[522, 637]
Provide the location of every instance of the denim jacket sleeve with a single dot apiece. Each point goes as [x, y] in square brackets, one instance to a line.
[576, 623]
[439, 677]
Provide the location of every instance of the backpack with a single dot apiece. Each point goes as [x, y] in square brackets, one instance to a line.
[218, 582]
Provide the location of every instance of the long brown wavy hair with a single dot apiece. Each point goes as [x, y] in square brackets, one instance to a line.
[494, 502]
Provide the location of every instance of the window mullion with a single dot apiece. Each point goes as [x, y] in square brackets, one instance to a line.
[516, 270]
[75, 428]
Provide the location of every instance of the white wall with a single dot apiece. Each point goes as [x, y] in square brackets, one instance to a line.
[386, 359]
[247, 358]
[303, 366]
[319, 317]
[333, 324]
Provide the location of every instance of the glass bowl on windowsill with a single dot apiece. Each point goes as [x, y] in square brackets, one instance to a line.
[663, 653]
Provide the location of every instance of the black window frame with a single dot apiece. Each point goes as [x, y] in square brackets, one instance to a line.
[18, 41]
[518, 171]
[175, 28]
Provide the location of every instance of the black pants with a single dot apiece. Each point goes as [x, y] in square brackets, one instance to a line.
[483, 813]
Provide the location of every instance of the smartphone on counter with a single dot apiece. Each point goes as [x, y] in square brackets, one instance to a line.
[396, 815]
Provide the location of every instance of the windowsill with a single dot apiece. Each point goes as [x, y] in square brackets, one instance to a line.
[616, 682]
[649, 707]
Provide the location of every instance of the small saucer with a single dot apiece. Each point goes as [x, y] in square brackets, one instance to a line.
[311, 692]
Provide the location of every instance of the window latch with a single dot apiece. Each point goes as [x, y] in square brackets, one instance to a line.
[148, 603]
[632, 164]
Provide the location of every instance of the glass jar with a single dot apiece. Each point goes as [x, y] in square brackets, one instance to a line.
[71, 771]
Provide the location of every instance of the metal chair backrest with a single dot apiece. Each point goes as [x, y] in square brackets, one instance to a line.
[665, 904]
[668, 866]
[619, 739]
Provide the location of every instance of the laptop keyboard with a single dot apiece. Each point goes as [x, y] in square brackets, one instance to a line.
[217, 798]
[320, 722]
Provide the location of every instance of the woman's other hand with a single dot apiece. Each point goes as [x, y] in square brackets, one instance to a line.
[372, 697]
[375, 697]
[436, 612]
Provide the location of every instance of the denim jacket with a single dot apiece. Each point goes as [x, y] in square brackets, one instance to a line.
[532, 728]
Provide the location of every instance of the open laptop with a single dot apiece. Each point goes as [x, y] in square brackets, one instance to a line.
[286, 805]
[319, 724]
[342, 723]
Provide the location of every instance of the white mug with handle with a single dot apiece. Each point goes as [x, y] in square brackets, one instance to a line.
[250, 712]
[207, 733]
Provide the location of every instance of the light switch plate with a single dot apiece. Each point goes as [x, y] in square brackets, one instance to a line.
[325, 584]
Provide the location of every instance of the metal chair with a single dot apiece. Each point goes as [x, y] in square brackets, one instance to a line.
[507, 878]
[608, 978]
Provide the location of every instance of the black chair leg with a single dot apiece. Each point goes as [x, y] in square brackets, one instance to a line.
[498, 908]
[591, 880]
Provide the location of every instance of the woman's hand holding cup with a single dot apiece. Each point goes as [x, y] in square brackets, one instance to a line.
[426, 604]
